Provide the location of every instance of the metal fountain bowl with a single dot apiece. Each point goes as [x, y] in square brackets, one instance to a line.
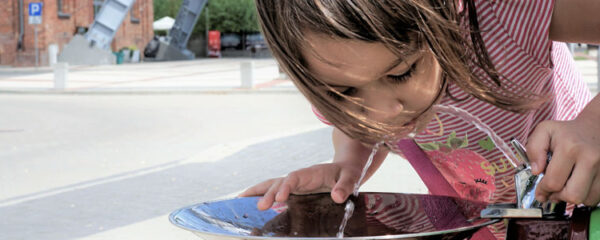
[316, 216]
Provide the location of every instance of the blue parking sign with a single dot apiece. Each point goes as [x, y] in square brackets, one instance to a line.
[35, 9]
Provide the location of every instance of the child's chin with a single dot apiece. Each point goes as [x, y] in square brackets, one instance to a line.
[423, 121]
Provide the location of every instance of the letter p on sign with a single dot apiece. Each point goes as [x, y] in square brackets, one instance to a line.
[35, 9]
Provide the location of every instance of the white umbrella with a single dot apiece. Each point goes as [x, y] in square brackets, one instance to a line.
[165, 23]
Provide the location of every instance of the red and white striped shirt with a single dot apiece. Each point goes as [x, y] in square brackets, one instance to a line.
[515, 34]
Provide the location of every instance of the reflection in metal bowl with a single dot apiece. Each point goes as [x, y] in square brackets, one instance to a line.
[376, 216]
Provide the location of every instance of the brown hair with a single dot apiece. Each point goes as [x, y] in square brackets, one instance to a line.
[435, 23]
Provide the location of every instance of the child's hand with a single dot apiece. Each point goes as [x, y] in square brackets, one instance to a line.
[573, 173]
[339, 177]
[318, 178]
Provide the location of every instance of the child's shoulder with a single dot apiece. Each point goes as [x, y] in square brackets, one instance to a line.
[517, 25]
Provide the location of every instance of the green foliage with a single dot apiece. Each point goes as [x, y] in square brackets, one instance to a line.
[228, 16]
[237, 16]
[164, 8]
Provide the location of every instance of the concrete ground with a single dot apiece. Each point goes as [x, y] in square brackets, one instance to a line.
[113, 166]
[204, 75]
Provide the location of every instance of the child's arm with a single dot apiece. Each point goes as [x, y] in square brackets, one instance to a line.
[338, 176]
[354, 154]
[573, 174]
[575, 21]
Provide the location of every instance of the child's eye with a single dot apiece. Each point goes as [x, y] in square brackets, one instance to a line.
[347, 92]
[403, 77]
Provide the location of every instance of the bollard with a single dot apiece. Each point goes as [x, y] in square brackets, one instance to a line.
[571, 48]
[247, 74]
[61, 71]
[52, 54]
[135, 56]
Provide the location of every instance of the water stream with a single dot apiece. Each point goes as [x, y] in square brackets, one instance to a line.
[467, 117]
[349, 209]
[464, 115]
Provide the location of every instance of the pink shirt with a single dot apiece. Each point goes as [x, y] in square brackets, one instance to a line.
[515, 33]
[516, 36]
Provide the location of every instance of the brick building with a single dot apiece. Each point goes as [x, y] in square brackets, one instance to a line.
[61, 19]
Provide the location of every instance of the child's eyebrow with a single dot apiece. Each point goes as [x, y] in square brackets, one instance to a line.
[393, 65]
[326, 86]
[407, 55]
[398, 61]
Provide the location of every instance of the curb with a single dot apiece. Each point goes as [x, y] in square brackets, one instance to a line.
[150, 91]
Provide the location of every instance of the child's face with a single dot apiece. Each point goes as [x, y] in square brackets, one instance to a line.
[398, 90]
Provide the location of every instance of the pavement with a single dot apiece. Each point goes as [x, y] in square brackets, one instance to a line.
[196, 76]
[589, 71]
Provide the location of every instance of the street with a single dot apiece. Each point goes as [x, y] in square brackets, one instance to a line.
[94, 136]
[78, 164]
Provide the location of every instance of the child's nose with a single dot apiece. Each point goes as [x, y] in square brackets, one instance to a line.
[385, 108]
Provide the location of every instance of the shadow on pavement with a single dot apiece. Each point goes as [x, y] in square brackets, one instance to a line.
[81, 212]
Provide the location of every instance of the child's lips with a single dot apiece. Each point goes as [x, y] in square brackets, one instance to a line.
[410, 123]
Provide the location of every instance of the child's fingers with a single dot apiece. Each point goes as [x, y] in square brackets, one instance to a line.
[258, 189]
[289, 183]
[556, 174]
[269, 198]
[344, 186]
[594, 195]
[538, 146]
[578, 186]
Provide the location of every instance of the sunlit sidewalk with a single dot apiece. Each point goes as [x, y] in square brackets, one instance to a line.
[203, 75]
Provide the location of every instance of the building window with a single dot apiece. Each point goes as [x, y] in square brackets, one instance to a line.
[61, 6]
[133, 13]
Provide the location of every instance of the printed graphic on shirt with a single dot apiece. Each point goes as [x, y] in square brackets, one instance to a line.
[468, 159]
[462, 168]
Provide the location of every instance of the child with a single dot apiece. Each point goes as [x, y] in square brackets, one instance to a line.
[374, 69]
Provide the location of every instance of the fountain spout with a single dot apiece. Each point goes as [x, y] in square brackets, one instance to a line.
[526, 183]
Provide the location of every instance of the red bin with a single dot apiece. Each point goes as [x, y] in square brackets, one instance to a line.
[214, 44]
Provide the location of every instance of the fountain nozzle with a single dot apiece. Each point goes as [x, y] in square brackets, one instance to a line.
[526, 183]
